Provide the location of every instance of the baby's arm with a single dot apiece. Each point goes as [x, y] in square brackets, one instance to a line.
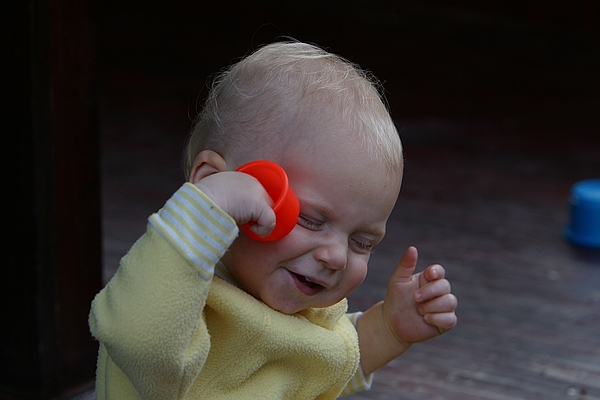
[417, 307]
[149, 317]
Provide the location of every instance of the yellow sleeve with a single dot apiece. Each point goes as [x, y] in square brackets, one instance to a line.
[149, 318]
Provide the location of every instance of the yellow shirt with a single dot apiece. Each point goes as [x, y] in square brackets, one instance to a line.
[169, 329]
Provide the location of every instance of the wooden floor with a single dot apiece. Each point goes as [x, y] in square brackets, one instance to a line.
[492, 148]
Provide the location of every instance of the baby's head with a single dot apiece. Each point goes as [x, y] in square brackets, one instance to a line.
[288, 93]
[322, 119]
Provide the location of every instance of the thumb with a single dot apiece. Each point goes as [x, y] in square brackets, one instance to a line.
[406, 266]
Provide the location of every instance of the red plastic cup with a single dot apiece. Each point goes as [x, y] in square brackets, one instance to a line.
[285, 202]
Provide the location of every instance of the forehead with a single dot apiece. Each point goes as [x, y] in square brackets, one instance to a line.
[343, 176]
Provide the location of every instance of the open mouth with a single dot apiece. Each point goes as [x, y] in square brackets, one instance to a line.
[306, 286]
[305, 281]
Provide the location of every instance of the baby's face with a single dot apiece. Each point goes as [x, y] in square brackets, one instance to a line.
[345, 201]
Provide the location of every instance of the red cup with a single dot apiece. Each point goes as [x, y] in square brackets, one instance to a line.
[285, 203]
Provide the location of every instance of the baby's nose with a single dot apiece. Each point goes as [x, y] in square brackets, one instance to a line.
[334, 253]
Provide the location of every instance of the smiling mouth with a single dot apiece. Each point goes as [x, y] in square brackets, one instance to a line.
[307, 286]
[307, 282]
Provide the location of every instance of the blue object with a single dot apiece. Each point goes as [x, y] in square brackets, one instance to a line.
[584, 229]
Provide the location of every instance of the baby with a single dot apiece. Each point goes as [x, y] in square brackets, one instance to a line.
[198, 309]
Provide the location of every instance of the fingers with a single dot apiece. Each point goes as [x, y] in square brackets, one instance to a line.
[440, 304]
[432, 289]
[421, 304]
[432, 273]
[437, 304]
[265, 222]
[440, 312]
[406, 266]
[443, 321]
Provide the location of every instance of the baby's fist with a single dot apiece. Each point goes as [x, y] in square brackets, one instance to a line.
[242, 197]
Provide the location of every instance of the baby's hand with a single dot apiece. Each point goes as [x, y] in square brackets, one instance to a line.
[420, 306]
[242, 197]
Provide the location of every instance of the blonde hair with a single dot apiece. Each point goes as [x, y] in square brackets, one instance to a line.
[256, 103]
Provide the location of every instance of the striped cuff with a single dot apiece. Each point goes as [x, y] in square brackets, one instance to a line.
[193, 224]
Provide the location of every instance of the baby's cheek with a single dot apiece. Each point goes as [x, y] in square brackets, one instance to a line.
[355, 275]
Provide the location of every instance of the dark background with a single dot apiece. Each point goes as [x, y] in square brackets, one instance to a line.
[528, 67]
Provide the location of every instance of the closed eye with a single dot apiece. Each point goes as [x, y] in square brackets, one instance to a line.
[365, 247]
[309, 223]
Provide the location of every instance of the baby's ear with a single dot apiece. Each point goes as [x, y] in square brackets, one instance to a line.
[206, 163]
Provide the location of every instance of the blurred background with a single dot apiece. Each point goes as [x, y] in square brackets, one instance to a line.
[497, 104]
